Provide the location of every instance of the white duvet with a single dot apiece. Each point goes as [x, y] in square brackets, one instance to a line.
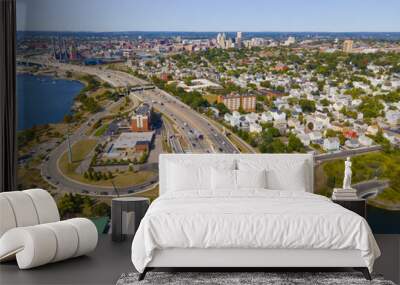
[250, 219]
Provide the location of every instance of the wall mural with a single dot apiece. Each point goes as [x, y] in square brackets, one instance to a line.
[95, 109]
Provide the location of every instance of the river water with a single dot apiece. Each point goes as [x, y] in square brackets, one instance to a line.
[44, 99]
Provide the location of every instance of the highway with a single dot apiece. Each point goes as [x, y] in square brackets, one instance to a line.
[190, 122]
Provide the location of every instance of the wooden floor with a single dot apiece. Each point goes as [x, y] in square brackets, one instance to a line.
[110, 260]
[103, 266]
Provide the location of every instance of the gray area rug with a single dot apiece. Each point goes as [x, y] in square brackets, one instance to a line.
[236, 278]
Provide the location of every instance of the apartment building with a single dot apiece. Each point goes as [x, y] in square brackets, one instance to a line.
[234, 101]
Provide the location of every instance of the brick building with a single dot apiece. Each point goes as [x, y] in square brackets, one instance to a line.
[141, 119]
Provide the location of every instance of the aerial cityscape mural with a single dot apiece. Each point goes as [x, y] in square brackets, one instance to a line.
[97, 107]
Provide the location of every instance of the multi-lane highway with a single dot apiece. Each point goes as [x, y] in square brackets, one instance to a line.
[200, 133]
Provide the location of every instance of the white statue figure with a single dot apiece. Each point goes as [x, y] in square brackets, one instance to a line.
[347, 174]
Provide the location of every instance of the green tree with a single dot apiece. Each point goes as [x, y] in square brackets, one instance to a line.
[276, 146]
[324, 102]
[371, 107]
[329, 133]
[271, 132]
[222, 108]
[295, 144]
[110, 175]
[265, 84]
[101, 210]
[307, 105]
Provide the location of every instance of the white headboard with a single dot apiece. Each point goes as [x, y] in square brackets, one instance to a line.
[210, 159]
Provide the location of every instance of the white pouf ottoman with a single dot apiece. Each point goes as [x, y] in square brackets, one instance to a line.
[31, 232]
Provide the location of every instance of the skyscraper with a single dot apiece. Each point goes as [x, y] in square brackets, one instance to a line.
[238, 39]
[348, 46]
[289, 41]
[221, 40]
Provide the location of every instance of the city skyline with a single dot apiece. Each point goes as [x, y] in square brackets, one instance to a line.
[178, 16]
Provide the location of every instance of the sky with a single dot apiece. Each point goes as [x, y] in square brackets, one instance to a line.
[209, 15]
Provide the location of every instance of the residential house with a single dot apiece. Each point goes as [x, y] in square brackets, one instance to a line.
[331, 144]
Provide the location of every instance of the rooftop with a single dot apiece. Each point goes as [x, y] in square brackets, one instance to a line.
[143, 109]
[126, 140]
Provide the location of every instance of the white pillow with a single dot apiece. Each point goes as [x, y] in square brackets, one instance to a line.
[281, 174]
[183, 177]
[251, 179]
[223, 179]
[293, 180]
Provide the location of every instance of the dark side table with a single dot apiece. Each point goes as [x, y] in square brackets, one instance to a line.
[358, 206]
[122, 206]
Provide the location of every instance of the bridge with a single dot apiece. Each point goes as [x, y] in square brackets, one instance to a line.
[345, 153]
[29, 63]
[370, 188]
[141, 88]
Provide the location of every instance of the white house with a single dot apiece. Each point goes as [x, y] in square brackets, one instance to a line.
[315, 135]
[365, 141]
[227, 117]
[293, 122]
[353, 143]
[304, 138]
[372, 130]
[255, 128]
[393, 117]
[356, 102]
[266, 117]
[390, 137]
[331, 144]
[338, 105]
[252, 117]
[278, 116]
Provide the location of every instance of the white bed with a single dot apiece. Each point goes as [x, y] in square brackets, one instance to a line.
[194, 223]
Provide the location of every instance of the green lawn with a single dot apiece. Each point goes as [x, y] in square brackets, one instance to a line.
[101, 130]
[79, 151]
[211, 98]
